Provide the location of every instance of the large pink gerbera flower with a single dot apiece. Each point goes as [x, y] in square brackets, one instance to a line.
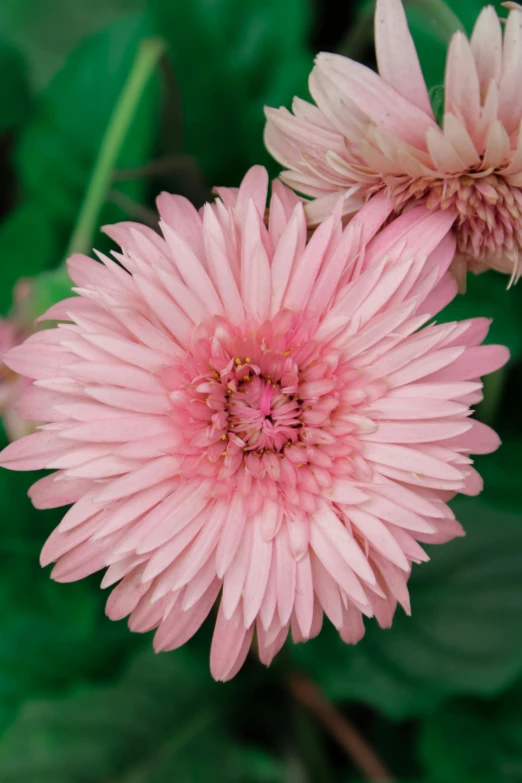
[371, 133]
[234, 410]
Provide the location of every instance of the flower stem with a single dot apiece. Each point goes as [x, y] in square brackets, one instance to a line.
[358, 749]
[145, 62]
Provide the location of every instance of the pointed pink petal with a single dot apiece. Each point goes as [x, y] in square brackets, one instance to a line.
[396, 54]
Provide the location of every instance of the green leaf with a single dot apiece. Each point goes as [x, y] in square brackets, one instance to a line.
[47, 289]
[53, 635]
[57, 152]
[501, 474]
[475, 741]
[50, 643]
[230, 59]
[464, 636]
[47, 30]
[487, 295]
[27, 246]
[162, 722]
[15, 94]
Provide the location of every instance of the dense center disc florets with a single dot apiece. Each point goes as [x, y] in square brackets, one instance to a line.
[488, 215]
[261, 413]
[266, 405]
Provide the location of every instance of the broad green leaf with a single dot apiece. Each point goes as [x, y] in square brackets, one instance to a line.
[501, 473]
[47, 30]
[52, 635]
[163, 721]
[487, 295]
[15, 94]
[464, 637]
[475, 741]
[231, 58]
[57, 151]
[47, 289]
[27, 246]
[49, 643]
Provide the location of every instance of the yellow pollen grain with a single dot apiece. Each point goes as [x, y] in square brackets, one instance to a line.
[223, 453]
[237, 360]
[301, 464]
[246, 377]
[223, 437]
[288, 352]
[247, 360]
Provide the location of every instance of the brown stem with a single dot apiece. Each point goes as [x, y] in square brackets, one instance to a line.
[132, 208]
[358, 749]
[166, 165]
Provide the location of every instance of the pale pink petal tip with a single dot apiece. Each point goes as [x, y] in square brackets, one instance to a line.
[244, 416]
[369, 134]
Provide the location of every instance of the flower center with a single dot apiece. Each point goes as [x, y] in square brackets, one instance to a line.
[488, 214]
[261, 415]
[273, 406]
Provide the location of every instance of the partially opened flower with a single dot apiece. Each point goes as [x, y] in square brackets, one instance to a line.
[244, 417]
[371, 133]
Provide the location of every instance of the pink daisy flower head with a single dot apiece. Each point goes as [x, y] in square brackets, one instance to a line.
[244, 417]
[371, 133]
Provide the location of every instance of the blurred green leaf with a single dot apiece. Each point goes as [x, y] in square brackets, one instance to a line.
[475, 741]
[51, 635]
[27, 246]
[15, 94]
[501, 474]
[57, 151]
[231, 58]
[47, 289]
[162, 722]
[46, 30]
[49, 642]
[487, 295]
[464, 636]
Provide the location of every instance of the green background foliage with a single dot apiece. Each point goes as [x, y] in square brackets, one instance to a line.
[81, 699]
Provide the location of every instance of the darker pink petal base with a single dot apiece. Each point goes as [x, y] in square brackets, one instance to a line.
[244, 417]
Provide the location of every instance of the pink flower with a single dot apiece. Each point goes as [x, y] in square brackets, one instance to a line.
[371, 133]
[235, 411]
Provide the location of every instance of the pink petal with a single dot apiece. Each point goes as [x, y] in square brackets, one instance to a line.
[396, 54]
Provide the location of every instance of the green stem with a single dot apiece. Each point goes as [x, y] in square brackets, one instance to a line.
[146, 60]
